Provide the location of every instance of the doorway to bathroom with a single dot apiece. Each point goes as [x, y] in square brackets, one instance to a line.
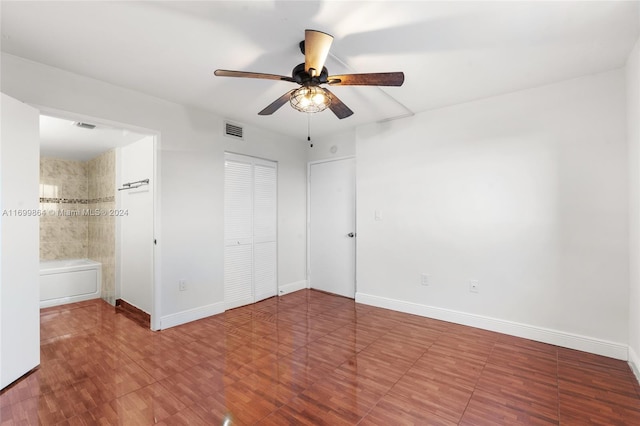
[98, 185]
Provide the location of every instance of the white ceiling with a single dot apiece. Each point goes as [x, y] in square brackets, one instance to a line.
[450, 52]
[61, 138]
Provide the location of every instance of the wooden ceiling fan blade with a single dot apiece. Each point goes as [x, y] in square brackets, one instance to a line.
[316, 49]
[369, 79]
[244, 74]
[338, 107]
[275, 105]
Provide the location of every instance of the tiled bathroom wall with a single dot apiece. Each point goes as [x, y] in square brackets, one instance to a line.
[102, 226]
[63, 196]
[75, 200]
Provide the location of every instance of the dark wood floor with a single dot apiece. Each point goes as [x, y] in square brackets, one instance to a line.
[309, 358]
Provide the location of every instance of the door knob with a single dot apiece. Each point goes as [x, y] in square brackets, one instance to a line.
[351, 235]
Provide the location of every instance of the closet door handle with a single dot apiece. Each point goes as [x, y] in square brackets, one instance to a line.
[351, 235]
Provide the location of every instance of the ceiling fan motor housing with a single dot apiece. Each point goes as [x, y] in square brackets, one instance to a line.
[303, 78]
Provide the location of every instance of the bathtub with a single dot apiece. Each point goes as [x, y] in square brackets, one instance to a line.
[68, 281]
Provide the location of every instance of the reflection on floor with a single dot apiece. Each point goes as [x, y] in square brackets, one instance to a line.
[308, 358]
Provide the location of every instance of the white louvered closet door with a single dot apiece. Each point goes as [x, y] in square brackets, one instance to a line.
[265, 230]
[250, 230]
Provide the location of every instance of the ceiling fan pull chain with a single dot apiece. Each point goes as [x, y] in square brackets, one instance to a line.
[309, 130]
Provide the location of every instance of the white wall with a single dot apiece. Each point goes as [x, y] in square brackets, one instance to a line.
[19, 269]
[191, 167]
[633, 135]
[333, 146]
[526, 193]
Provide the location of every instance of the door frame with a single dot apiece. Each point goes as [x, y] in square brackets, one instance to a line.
[157, 248]
[355, 218]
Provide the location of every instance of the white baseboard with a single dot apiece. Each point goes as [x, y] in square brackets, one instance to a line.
[634, 363]
[540, 334]
[184, 317]
[189, 315]
[291, 287]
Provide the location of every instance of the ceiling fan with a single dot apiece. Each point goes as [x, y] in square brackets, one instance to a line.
[310, 97]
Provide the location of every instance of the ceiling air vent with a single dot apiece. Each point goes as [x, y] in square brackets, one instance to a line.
[84, 125]
[233, 130]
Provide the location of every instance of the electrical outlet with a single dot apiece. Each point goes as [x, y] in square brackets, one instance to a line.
[474, 287]
[182, 285]
[424, 279]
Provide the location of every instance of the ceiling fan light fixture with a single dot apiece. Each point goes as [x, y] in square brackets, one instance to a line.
[310, 99]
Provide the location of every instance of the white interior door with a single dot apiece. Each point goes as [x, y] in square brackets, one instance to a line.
[250, 214]
[19, 251]
[332, 227]
[137, 224]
